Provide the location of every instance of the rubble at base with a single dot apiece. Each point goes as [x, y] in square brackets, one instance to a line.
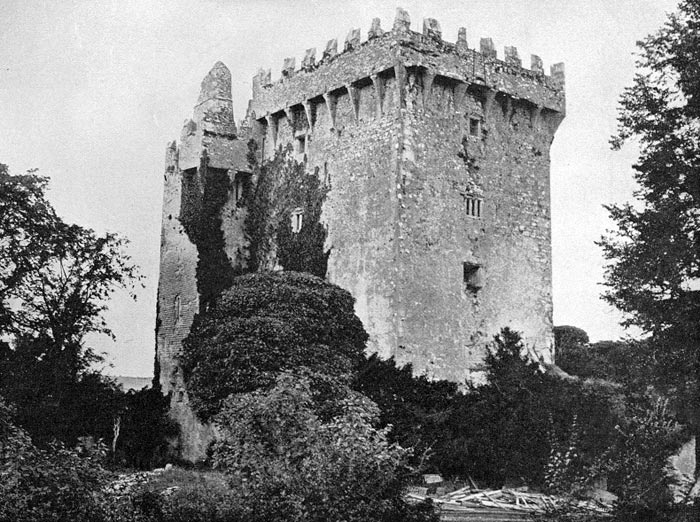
[505, 505]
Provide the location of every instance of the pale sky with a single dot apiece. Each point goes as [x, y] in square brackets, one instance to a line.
[91, 92]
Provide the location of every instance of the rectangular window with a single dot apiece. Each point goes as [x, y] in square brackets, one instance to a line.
[297, 220]
[473, 206]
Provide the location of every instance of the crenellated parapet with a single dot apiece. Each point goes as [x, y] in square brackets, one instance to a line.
[386, 54]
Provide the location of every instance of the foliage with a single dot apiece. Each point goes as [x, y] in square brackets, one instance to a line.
[654, 255]
[51, 403]
[48, 485]
[178, 495]
[204, 193]
[289, 464]
[56, 276]
[282, 186]
[568, 337]
[416, 407]
[54, 282]
[144, 429]
[630, 362]
[635, 463]
[511, 429]
[266, 323]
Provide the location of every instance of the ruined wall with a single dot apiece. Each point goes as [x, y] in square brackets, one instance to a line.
[178, 302]
[208, 142]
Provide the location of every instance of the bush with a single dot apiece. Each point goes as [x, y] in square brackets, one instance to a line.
[144, 429]
[179, 495]
[416, 408]
[517, 427]
[52, 405]
[636, 462]
[48, 485]
[265, 324]
[286, 463]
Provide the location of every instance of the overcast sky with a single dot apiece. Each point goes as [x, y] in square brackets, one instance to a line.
[91, 92]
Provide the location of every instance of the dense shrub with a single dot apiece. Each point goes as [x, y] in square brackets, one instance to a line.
[288, 464]
[636, 462]
[517, 427]
[47, 485]
[50, 403]
[264, 324]
[178, 495]
[144, 429]
[416, 407]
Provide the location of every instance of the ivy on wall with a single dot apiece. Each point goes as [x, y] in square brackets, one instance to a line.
[276, 189]
[204, 193]
[282, 187]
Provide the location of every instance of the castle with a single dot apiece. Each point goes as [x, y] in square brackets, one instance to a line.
[436, 156]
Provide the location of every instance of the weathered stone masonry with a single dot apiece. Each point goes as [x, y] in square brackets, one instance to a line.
[438, 213]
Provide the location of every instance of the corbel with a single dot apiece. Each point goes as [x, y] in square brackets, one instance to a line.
[330, 100]
[378, 83]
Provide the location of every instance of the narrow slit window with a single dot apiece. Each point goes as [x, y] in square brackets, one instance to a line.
[177, 308]
[297, 220]
[238, 188]
[473, 277]
[473, 206]
[300, 148]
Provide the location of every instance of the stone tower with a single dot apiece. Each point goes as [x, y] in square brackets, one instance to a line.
[438, 213]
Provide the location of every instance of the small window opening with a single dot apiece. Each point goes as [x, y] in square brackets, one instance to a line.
[297, 220]
[300, 148]
[238, 188]
[473, 206]
[473, 277]
[475, 127]
[180, 396]
[177, 308]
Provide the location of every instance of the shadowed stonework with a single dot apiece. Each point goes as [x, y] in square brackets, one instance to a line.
[434, 158]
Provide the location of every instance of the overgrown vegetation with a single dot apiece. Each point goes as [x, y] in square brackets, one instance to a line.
[508, 431]
[205, 191]
[267, 323]
[141, 430]
[654, 253]
[46, 484]
[284, 186]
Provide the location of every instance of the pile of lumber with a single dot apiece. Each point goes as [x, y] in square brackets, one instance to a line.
[510, 500]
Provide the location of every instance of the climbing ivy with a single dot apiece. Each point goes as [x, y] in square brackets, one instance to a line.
[283, 185]
[204, 193]
[277, 188]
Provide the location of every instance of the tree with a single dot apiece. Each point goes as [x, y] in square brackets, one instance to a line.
[55, 279]
[654, 255]
[266, 323]
[287, 463]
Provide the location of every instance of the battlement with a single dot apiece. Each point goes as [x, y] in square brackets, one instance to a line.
[365, 62]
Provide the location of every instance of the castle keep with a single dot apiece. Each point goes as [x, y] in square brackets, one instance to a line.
[436, 159]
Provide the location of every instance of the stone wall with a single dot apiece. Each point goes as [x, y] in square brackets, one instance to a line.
[390, 122]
